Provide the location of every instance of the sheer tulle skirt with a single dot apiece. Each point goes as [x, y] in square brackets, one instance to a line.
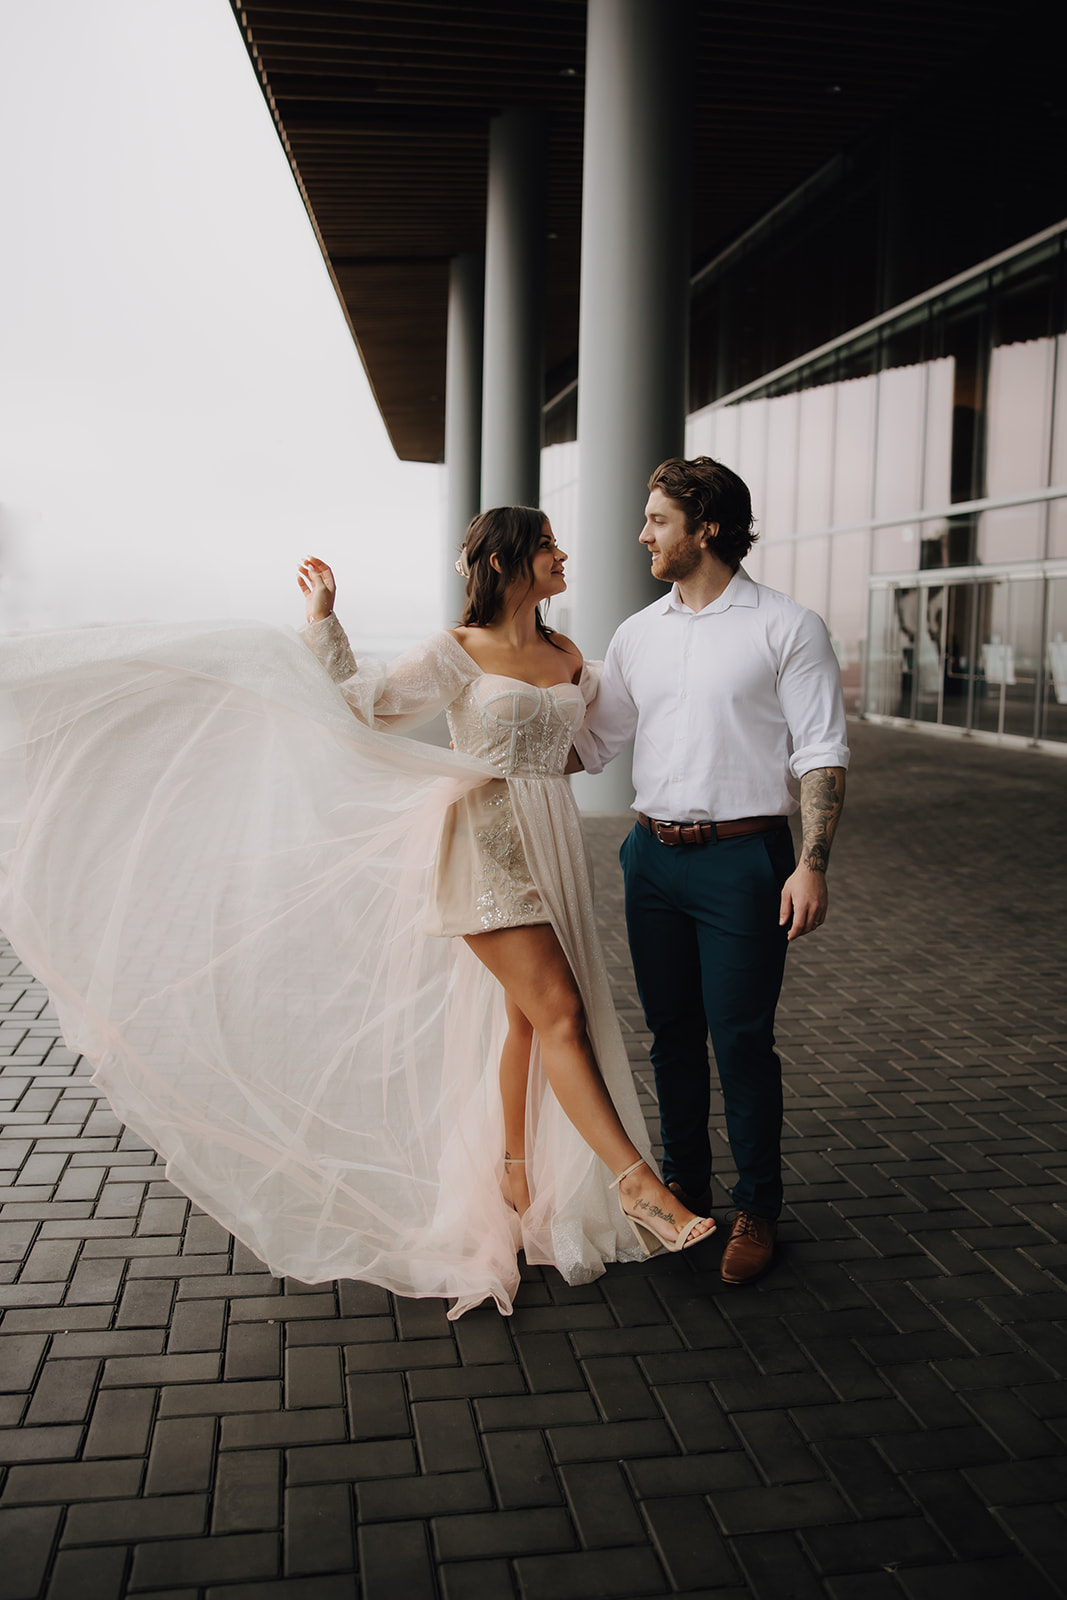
[222, 877]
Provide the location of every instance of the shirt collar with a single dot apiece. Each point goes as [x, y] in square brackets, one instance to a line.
[740, 591]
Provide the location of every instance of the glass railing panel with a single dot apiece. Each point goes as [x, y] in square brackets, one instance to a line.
[1054, 709]
[1009, 660]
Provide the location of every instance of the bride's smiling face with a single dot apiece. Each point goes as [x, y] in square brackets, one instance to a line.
[546, 565]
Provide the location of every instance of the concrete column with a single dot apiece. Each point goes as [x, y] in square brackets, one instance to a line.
[514, 310]
[463, 416]
[633, 342]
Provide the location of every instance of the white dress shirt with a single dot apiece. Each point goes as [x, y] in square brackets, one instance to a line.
[724, 704]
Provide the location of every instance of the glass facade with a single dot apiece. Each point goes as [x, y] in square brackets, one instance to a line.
[910, 484]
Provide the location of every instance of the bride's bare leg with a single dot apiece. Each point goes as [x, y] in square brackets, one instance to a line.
[514, 1081]
[530, 965]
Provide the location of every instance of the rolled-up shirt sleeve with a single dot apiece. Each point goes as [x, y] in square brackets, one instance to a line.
[809, 692]
[611, 718]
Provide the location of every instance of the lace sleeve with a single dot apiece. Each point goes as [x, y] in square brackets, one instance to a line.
[398, 694]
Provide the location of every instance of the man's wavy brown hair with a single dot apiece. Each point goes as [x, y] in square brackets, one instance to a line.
[512, 534]
[709, 492]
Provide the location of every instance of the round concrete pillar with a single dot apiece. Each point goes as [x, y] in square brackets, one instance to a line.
[514, 310]
[633, 342]
[463, 416]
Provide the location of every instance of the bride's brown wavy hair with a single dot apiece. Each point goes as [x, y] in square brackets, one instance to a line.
[512, 534]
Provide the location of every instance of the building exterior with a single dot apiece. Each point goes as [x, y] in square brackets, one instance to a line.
[883, 358]
[823, 243]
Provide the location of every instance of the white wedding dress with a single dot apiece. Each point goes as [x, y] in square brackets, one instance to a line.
[231, 884]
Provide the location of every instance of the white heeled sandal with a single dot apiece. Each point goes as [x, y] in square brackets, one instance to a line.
[649, 1240]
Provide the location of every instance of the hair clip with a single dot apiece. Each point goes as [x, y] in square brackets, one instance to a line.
[462, 565]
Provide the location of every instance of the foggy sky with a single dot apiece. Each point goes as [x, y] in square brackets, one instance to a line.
[183, 414]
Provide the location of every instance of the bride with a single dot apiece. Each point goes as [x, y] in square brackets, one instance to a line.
[348, 985]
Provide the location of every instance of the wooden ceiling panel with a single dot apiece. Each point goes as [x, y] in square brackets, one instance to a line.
[383, 108]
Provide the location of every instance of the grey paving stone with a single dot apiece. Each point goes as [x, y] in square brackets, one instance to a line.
[318, 1529]
[145, 1305]
[601, 1505]
[88, 1575]
[521, 1470]
[247, 1493]
[429, 1495]
[39, 1444]
[865, 1480]
[332, 1588]
[106, 1342]
[383, 1458]
[610, 1441]
[27, 1535]
[446, 1435]
[196, 1325]
[688, 1543]
[232, 1556]
[777, 1569]
[71, 1480]
[124, 1521]
[220, 1399]
[394, 1558]
[253, 1350]
[474, 1382]
[611, 1574]
[182, 1456]
[20, 1356]
[502, 1533]
[121, 1423]
[476, 1580]
[313, 1376]
[282, 1428]
[64, 1392]
[619, 1389]
[900, 1541]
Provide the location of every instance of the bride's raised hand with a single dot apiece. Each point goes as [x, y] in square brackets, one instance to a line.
[317, 586]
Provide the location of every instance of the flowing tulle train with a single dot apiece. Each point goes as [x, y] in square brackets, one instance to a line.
[222, 878]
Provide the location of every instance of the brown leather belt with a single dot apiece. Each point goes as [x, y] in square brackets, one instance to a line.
[674, 833]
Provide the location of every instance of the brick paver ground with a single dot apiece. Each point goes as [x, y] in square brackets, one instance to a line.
[884, 1415]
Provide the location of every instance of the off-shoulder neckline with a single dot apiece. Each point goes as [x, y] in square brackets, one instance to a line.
[567, 683]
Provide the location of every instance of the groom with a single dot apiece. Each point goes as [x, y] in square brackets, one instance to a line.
[728, 689]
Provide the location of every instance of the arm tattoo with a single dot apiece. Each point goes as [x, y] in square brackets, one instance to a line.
[822, 794]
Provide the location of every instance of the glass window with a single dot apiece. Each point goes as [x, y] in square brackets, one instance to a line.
[963, 338]
[811, 574]
[895, 549]
[1009, 659]
[1059, 415]
[778, 560]
[815, 458]
[752, 447]
[957, 672]
[854, 450]
[937, 456]
[898, 471]
[1019, 416]
[845, 616]
[1054, 708]
[1057, 529]
[780, 493]
[930, 652]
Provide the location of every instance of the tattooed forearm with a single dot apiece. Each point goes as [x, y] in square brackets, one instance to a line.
[822, 794]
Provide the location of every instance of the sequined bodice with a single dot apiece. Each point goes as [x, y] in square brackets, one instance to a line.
[523, 730]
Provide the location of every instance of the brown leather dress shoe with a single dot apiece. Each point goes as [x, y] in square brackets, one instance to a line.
[749, 1248]
[698, 1204]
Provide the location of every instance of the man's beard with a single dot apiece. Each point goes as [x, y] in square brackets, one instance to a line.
[681, 562]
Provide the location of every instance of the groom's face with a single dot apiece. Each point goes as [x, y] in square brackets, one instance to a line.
[676, 552]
